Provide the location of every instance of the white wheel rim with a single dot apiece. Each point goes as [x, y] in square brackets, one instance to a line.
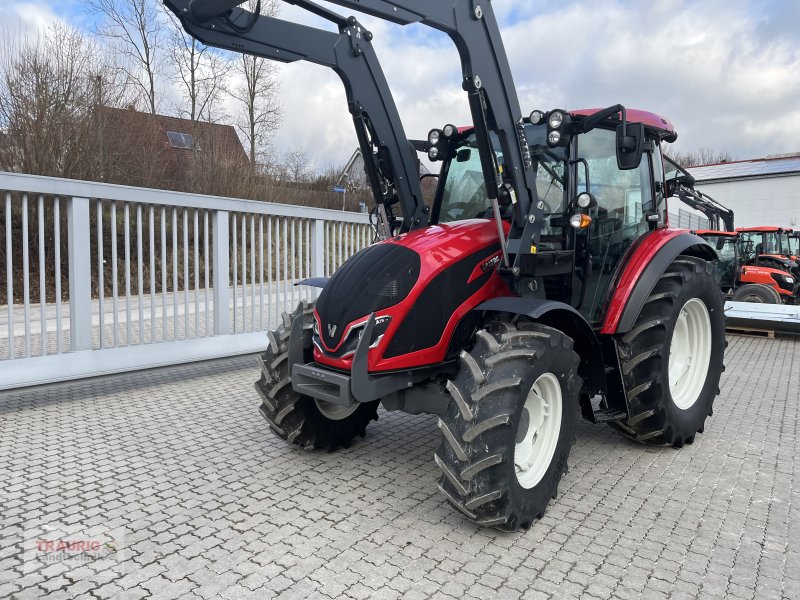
[689, 354]
[335, 412]
[541, 424]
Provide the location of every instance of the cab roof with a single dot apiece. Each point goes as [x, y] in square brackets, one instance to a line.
[760, 229]
[661, 125]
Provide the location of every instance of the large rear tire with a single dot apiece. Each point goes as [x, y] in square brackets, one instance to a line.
[756, 292]
[300, 419]
[672, 358]
[510, 424]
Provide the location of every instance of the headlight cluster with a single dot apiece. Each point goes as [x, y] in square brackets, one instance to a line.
[558, 122]
[438, 140]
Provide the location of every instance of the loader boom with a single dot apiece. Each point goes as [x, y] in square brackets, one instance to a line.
[682, 186]
[493, 102]
[389, 158]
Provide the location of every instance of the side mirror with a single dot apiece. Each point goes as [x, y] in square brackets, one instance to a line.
[630, 145]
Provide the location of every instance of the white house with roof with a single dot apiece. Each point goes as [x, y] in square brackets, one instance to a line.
[761, 191]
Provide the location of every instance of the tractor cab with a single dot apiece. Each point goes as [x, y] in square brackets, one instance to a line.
[594, 206]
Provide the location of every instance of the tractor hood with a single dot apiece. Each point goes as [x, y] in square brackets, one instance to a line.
[418, 285]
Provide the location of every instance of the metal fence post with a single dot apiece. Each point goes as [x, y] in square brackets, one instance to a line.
[80, 274]
[318, 249]
[220, 265]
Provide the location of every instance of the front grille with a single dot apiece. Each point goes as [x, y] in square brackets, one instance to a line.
[374, 279]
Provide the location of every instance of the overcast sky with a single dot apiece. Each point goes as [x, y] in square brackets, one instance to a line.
[726, 72]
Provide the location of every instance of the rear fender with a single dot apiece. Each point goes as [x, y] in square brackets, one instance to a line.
[566, 319]
[646, 265]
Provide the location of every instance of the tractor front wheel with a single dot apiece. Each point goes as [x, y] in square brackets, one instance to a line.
[672, 357]
[756, 292]
[300, 419]
[510, 424]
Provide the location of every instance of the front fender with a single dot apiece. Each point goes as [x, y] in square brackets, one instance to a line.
[566, 319]
[645, 266]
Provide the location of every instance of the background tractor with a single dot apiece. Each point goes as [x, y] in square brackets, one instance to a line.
[747, 283]
[543, 279]
[740, 279]
[770, 247]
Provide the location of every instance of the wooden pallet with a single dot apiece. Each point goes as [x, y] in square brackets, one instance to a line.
[751, 331]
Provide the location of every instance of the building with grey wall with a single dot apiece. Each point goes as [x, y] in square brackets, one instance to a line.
[763, 191]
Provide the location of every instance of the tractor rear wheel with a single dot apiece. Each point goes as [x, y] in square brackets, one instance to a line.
[672, 357]
[756, 292]
[300, 419]
[510, 424]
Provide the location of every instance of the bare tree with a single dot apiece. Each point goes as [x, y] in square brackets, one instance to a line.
[49, 88]
[296, 166]
[201, 72]
[135, 30]
[260, 110]
[702, 156]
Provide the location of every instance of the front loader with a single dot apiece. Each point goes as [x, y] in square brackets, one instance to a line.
[542, 281]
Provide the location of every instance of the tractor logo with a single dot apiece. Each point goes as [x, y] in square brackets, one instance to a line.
[331, 330]
[491, 263]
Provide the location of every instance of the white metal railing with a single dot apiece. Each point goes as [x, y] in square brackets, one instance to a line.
[147, 277]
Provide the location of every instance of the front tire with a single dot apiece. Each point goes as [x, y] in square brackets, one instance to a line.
[300, 419]
[510, 424]
[756, 292]
[672, 358]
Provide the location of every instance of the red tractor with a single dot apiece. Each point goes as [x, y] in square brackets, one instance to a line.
[748, 283]
[770, 247]
[543, 279]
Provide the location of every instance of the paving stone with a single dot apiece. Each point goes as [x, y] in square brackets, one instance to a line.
[213, 505]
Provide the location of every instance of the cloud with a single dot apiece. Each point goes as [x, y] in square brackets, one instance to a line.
[726, 72]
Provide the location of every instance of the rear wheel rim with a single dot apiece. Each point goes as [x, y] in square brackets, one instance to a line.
[689, 353]
[538, 430]
[335, 412]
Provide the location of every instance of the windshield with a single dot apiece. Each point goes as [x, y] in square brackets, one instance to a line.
[772, 244]
[786, 244]
[464, 194]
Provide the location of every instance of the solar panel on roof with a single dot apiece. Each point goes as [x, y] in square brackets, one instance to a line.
[180, 140]
[746, 169]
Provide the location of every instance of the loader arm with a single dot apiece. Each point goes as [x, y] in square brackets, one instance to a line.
[684, 189]
[389, 158]
[493, 102]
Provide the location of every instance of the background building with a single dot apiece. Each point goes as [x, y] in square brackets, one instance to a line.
[762, 191]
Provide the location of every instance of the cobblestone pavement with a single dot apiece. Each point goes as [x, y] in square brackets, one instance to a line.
[178, 469]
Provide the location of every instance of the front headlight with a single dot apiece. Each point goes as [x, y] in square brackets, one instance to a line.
[555, 119]
[788, 279]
